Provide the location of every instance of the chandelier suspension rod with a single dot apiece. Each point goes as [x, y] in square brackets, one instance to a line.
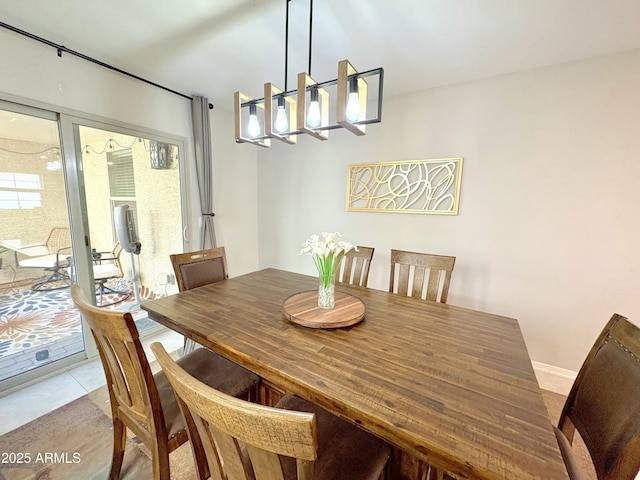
[310, 32]
[286, 47]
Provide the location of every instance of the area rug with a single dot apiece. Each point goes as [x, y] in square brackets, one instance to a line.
[30, 318]
[74, 442]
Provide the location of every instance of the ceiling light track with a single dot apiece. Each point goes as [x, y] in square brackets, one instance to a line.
[306, 109]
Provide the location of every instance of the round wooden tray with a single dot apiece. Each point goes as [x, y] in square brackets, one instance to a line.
[302, 308]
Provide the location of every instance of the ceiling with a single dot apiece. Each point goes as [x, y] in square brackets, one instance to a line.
[215, 47]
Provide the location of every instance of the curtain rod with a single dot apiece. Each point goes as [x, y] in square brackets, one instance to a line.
[62, 48]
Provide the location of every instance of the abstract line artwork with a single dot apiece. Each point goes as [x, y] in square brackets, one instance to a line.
[415, 186]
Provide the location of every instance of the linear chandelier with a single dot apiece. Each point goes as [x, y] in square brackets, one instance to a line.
[309, 109]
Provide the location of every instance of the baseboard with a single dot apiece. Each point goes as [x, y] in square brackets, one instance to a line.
[554, 378]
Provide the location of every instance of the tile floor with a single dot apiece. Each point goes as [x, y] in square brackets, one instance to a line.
[33, 401]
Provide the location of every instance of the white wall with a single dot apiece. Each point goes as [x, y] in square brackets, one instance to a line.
[34, 72]
[235, 195]
[547, 231]
[548, 226]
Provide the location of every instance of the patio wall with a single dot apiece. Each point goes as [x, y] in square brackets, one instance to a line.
[157, 198]
[158, 207]
[30, 226]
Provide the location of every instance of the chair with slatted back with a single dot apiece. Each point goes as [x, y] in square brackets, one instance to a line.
[294, 440]
[355, 266]
[604, 405]
[421, 275]
[198, 268]
[143, 402]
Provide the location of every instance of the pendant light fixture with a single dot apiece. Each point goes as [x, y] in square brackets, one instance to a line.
[306, 110]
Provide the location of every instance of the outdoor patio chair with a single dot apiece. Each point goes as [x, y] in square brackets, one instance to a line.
[52, 256]
[106, 268]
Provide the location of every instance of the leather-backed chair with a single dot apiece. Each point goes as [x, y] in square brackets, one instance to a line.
[604, 405]
[143, 402]
[198, 268]
[355, 266]
[421, 275]
[294, 440]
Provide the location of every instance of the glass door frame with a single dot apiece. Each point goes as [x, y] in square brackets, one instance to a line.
[69, 127]
[89, 345]
[71, 155]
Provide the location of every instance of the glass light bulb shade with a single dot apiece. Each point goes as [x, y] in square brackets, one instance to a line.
[253, 129]
[314, 119]
[282, 123]
[353, 107]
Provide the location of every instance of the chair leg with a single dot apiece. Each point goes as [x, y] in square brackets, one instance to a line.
[119, 444]
[57, 277]
[189, 346]
[160, 460]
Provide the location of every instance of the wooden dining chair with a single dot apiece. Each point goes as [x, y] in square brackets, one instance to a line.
[421, 275]
[355, 266]
[294, 440]
[198, 268]
[143, 402]
[604, 405]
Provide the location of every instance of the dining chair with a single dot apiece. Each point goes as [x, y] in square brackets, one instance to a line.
[604, 405]
[293, 440]
[198, 268]
[143, 402]
[421, 275]
[355, 266]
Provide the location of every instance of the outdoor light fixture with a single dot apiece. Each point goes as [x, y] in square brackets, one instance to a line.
[309, 109]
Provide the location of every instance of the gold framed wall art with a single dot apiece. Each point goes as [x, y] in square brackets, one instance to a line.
[413, 186]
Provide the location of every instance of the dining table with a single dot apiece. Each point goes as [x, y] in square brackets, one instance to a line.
[445, 386]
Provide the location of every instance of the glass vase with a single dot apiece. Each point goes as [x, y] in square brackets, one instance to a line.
[326, 291]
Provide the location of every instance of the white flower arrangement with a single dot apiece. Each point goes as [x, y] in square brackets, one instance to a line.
[327, 253]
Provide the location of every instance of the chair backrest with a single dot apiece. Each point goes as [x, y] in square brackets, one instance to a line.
[194, 269]
[223, 425]
[108, 266]
[604, 402]
[59, 237]
[421, 275]
[355, 266]
[132, 389]
[115, 254]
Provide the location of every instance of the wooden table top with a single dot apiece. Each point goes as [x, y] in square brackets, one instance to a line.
[453, 386]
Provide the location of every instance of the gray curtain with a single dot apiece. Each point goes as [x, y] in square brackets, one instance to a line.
[202, 142]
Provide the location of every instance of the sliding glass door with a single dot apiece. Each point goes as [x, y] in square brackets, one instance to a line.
[142, 175]
[61, 180]
[37, 325]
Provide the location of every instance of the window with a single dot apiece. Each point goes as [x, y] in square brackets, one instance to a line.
[17, 190]
[122, 185]
[121, 179]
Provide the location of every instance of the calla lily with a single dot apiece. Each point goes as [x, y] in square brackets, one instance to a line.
[327, 253]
